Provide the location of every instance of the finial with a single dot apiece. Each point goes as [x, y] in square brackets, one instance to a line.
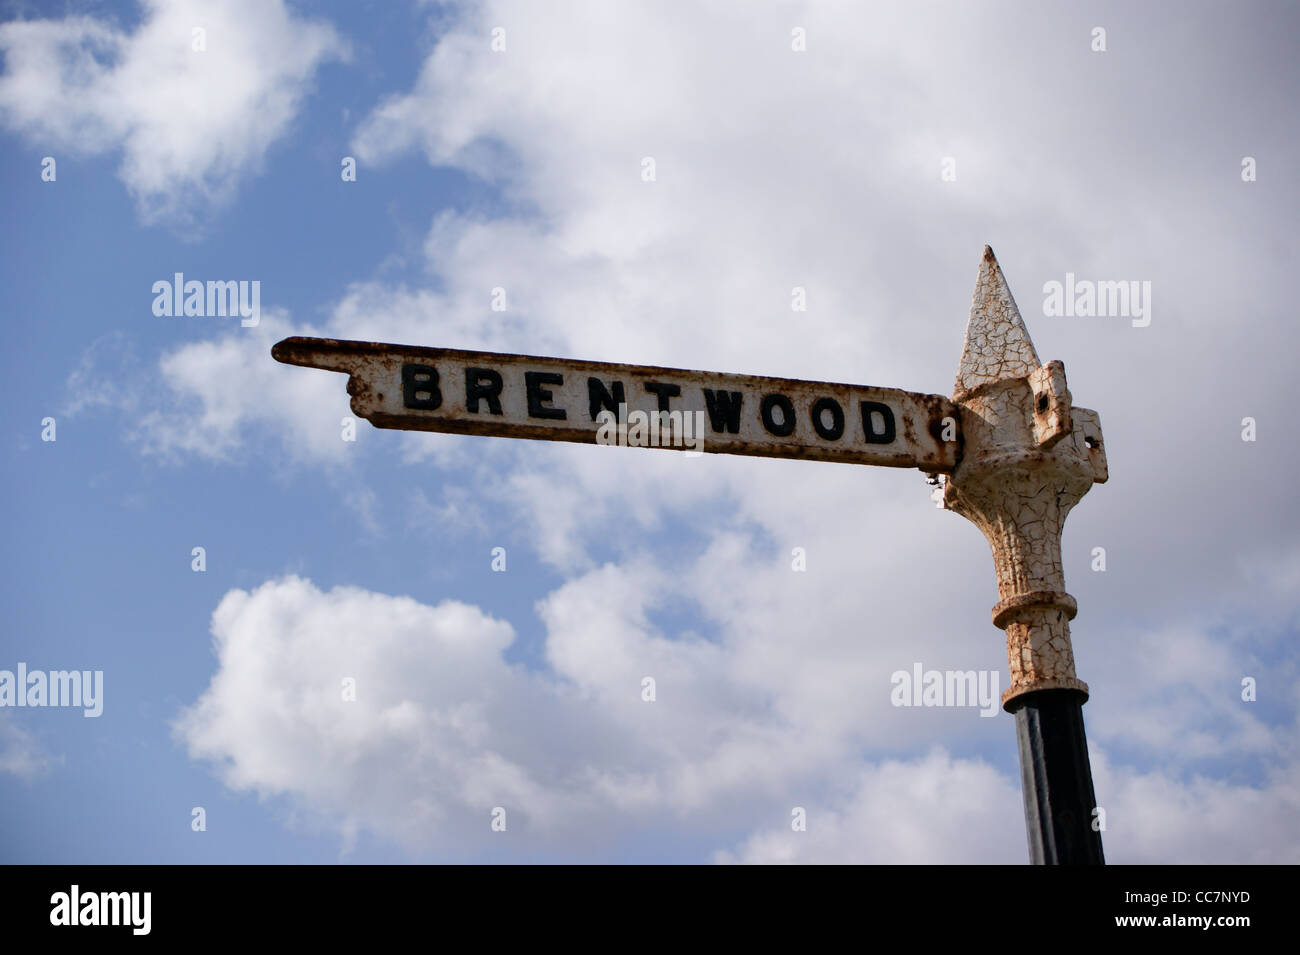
[997, 343]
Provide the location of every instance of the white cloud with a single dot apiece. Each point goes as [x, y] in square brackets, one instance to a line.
[1179, 695]
[417, 747]
[215, 394]
[937, 809]
[1153, 816]
[21, 752]
[934, 809]
[443, 729]
[190, 124]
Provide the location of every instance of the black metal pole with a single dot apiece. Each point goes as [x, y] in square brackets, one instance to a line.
[1056, 778]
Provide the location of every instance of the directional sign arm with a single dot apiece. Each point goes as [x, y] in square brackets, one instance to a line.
[520, 396]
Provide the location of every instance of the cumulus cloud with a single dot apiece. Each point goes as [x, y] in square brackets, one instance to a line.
[1160, 816]
[442, 730]
[934, 809]
[189, 123]
[938, 809]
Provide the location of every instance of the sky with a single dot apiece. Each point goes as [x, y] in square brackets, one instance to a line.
[344, 678]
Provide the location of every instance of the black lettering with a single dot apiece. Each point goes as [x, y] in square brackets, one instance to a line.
[724, 410]
[485, 384]
[539, 396]
[420, 380]
[663, 392]
[836, 428]
[598, 396]
[886, 413]
[787, 414]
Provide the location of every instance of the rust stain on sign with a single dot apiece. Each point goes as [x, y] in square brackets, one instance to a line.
[557, 399]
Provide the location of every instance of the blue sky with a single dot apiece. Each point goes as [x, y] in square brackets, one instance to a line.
[521, 169]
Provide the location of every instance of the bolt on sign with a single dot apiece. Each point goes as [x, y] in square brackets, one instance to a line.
[1016, 453]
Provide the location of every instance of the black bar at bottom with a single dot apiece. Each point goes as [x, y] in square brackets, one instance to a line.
[1056, 779]
[291, 903]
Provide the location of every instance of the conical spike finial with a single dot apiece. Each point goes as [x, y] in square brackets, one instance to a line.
[997, 343]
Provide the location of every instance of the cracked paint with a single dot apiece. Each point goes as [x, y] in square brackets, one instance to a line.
[1027, 460]
[997, 343]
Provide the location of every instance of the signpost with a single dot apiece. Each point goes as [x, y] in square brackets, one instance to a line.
[1015, 453]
